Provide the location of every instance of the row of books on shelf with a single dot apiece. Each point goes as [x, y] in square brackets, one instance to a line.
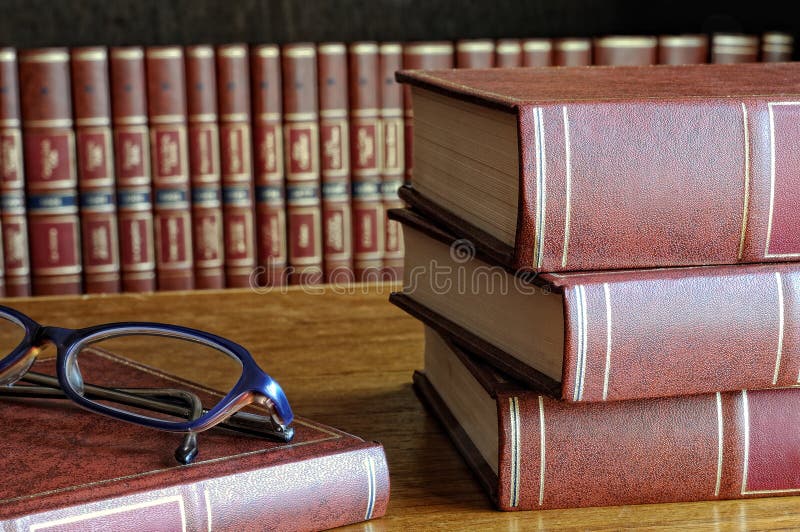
[167, 168]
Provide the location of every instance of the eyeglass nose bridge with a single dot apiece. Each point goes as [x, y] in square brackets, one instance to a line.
[61, 338]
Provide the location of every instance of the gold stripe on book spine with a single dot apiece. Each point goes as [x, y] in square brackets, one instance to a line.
[331, 49]
[475, 46]
[45, 57]
[54, 123]
[127, 55]
[90, 55]
[165, 53]
[267, 51]
[305, 51]
[777, 38]
[735, 40]
[200, 52]
[681, 41]
[391, 48]
[429, 49]
[508, 47]
[573, 45]
[234, 51]
[542, 45]
[364, 48]
[625, 41]
[8, 55]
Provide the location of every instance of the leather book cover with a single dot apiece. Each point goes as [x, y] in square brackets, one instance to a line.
[629, 50]
[50, 171]
[508, 53]
[301, 147]
[556, 455]
[573, 51]
[366, 153]
[615, 166]
[334, 139]
[87, 471]
[474, 53]
[133, 169]
[682, 49]
[392, 166]
[16, 259]
[166, 104]
[204, 167]
[265, 74]
[537, 52]
[728, 48]
[236, 154]
[98, 211]
[424, 55]
[776, 47]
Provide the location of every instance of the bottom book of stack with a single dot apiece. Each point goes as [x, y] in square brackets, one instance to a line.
[68, 469]
[533, 452]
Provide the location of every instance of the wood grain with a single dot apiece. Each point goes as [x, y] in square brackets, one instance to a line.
[346, 359]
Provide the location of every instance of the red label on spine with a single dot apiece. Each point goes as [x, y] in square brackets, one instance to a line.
[11, 158]
[94, 156]
[392, 146]
[203, 152]
[136, 230]
[366, 135]
[172, 236]
[336, 223]
[333, 142]
[268, 156]
[168, 144]
[238, 228]
[272, 240]
[368, 230]
[49, 159]
[234, 144]
[132, 152]
[305, 246]
[15, 244]
[207, 226]
[303, 162]
[56, 246]
[99, 232]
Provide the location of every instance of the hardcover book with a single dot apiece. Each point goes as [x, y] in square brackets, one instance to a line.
[508, 53]
[609, 168]
[728, 48]
[86, 471]
[573, 51]
[537, 52]
[629, 50]
[475, 53]
[682, 49]
[776, 47]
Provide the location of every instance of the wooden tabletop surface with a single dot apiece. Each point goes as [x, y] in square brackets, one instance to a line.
[345, 358]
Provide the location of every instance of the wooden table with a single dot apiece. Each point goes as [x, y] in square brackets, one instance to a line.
[346, 360]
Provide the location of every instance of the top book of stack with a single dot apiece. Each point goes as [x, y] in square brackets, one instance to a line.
[612, 167]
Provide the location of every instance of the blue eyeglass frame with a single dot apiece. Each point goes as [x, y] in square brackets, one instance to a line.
[253, 386]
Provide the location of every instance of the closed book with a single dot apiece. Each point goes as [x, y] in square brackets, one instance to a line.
[50, 171]
[507, 53]
[265, 77]
[474, 53]
[616, 50]
[776, 47]
[301, 161]
[12, 182]
[68, 469]
[166, 104]
[95, 153]
[531, 452]
[537, 52]
[204, 167]
[133, 169]
[728, 48]
[334, 139]
[572, 51]
[607, 168]
[611, 335]
[366, 152]
[236, 153]
[682, 49]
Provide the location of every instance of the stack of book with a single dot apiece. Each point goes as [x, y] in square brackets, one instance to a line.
[604, 260]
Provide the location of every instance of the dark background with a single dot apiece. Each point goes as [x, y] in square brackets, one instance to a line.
[30, 23]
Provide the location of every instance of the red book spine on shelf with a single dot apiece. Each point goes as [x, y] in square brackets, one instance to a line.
[49, 148]
[392, 166]
[301, 146]
[236, 156]
[334, 139]
[572, 52]
[366, 148]
[625, 50]
[425, 56]
[537, 52]
[204, 167]
[508, 53]
[92, 109]
[776, 47]
[474, 53]
[166, 103]
[265, 76]
[12, 182]
[682, 49]
[729, 48]
[132, 164]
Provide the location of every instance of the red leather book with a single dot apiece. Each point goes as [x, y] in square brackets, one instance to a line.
[508, 53]
[133, 165]
[531, 452]
[573, 51]
[301, 146]
[204, 167]
[334, 139]
[236, 151]
[611, 335]
[537, 52]
[475, 53]
[625, 167]
[625, 50]
[95, 154]
[166, 104]
[776, 47]
[392, 167]
[420, 56]
[682, 49]
[366, 147]
[729, 48]
[265, 76]
[12, 182]
[103, 474]
[51, 177]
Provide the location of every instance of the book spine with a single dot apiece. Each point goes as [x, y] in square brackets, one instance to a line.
[776, 47]
[682, 49]
[98, 210]
[625, 50]
[166, 103]
[508, 53]
[572, 52]
[475, 53]
[301, 160]
[265, 73]
[236, 150]
[345, 488]
[365, 155]
[729, 48]
[420, 56]
[51, 177]
[537, 52]
[204, 167]
[392, 167]
[334, 137]
[16, 259]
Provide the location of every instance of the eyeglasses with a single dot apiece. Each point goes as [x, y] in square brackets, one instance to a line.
[83, 377]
